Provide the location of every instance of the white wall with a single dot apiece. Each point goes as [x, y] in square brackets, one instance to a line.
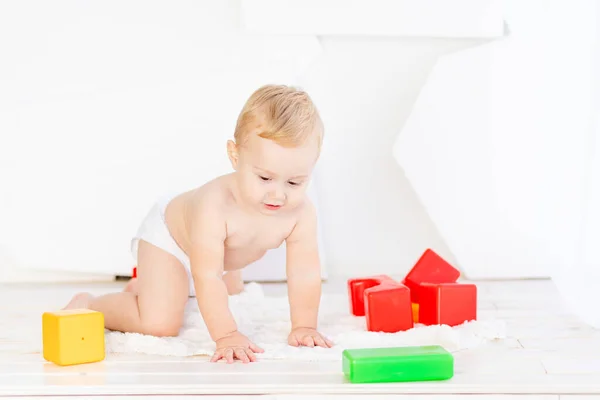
[365, 88]
[578, 278]
[105, 106]
[92, 101]
[496, 144]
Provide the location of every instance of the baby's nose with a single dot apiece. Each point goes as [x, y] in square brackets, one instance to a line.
[277, 194]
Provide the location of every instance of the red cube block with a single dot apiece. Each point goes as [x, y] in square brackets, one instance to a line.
[429, 268]
[388, 308]
[447, 303]
[385, 303]
[356, 291]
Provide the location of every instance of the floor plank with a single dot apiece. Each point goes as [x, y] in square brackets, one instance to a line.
[326, 397]
[171, 384]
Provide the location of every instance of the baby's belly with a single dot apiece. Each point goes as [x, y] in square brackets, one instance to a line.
[236, 259]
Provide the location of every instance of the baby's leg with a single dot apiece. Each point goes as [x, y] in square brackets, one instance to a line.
[158, 305]
[234, 282]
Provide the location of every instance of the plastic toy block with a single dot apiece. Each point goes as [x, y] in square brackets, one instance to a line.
[356, 291]
[447, 303]
[73, 336]
[134, 274]
[384, 302]
[388, 308]
[429, 268]
[397, 364]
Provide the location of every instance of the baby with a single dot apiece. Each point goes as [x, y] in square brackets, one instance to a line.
[197, 242]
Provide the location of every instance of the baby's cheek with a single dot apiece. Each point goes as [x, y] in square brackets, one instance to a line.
[257, 192]
[295, 198]
[252, 190]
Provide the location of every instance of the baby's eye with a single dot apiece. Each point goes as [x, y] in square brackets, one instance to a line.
[264, 178]
[294, 183]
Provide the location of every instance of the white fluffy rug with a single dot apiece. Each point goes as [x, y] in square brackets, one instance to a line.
[265, 320]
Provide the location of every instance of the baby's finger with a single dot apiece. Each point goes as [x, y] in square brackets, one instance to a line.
[216, 357]
[293, 341]
[250, 355]
[308, 341]
[329, 342]
[241, 355]
[255, 348]
[320, 342]
[229, 355]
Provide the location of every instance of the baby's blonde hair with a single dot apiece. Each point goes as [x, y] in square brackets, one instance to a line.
[284, 114]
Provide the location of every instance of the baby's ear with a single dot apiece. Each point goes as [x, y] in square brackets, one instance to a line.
[232, 152]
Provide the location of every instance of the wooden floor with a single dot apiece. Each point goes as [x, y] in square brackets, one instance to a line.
[549, 354]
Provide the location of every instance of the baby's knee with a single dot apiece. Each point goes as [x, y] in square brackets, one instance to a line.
[162, 326]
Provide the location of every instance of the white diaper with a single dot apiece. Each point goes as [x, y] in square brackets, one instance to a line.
[154, 230]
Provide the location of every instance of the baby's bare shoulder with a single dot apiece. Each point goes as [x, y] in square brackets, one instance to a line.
[306, 222]
[307, 211]
[207, 207]
[210, 198]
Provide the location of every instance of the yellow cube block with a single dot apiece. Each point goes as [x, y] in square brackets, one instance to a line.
[415, 312]
[73, 336]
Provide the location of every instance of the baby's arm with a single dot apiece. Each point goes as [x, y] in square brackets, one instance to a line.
[207, 235]
[304, 280]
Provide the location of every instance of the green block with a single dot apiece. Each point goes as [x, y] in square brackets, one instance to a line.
[398, 364]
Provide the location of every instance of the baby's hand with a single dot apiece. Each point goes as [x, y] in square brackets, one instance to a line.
[308, 337]
[235, 346]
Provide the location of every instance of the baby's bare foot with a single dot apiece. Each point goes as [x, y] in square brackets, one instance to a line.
[80, 300]
[131, 286]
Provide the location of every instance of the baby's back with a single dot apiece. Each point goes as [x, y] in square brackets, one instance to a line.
[248, 235]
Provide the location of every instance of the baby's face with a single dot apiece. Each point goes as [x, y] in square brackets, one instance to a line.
[273, 178]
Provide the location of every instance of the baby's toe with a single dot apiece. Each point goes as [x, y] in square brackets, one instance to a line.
[80, 300]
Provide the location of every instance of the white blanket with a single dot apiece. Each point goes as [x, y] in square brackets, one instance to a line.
[265, 320]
